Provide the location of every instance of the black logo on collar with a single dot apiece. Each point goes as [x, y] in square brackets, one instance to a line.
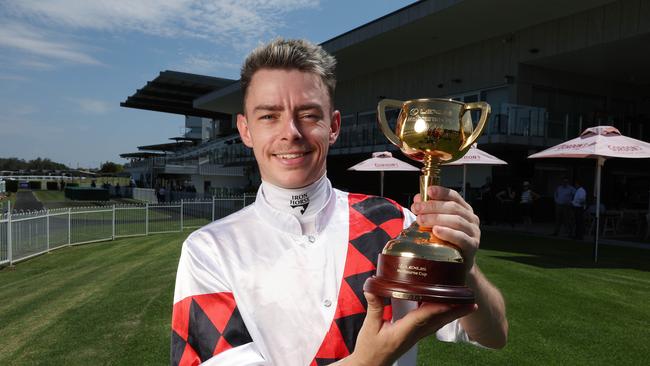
[300, 201]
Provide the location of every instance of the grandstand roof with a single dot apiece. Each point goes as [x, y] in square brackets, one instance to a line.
[170, 146]
[141, 154]
[174, 92]
[181, 138]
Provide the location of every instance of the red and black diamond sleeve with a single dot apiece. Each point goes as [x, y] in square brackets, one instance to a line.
[373, 221]
[204, 326]
[205, 319]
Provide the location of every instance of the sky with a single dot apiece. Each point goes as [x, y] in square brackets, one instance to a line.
[65, 65]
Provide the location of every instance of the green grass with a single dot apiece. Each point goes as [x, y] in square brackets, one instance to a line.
[110, 303]
[103, 303]
[562, 308]
[49, 196]
[9, 197]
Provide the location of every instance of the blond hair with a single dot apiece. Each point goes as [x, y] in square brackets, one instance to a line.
[290, 54]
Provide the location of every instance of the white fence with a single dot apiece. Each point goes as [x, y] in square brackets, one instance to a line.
[25, 235]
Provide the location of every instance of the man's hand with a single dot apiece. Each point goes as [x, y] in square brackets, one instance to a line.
[380, 342]
[451, 219]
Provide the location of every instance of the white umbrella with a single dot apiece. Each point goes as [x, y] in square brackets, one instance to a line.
[600, 143]
[383, 161]
[475, 156]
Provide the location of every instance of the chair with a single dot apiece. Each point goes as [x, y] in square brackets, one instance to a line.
[611, 222]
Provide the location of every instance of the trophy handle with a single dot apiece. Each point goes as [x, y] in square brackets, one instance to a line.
[383, 122]
[485, 113]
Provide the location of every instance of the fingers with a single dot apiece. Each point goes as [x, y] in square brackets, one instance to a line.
[374, 317]
[448, 202]
[467, 244]
[438, 193]
[452, 221]
[380, 342]
[428, 318]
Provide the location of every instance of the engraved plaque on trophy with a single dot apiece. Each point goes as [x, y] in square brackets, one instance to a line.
[417, 265]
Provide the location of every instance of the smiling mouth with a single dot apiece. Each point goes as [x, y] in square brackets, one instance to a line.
[290, 155]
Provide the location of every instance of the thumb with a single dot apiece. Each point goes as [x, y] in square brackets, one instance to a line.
[374, 316]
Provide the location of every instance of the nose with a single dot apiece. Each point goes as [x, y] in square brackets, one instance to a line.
[290, 130]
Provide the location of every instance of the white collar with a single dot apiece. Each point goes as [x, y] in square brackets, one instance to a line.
[286, 221]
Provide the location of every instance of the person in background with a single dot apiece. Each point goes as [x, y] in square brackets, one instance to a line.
[162, 194]
[528, 196]
[487, 201]
[579, 203]
[467, 194]
[563, 208]
[507, 201]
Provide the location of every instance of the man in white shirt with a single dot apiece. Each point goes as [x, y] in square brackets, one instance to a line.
[280, 282]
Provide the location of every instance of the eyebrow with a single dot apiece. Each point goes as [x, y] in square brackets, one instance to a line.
[278, 108]
[267, 107]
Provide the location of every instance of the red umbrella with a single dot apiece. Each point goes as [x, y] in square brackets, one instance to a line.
[600, 143]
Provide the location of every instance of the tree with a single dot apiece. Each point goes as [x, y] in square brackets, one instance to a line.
[15, 164]
[110, 167]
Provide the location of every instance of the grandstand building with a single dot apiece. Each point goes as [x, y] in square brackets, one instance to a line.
[548, 68]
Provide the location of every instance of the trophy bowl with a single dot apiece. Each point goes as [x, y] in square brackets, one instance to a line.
[417, 265]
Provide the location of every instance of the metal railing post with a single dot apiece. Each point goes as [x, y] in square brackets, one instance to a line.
[146, 219]
[69, 225]
[9, 244]
[47, 228]
[113, 233]
[181, 214]
[213, 201]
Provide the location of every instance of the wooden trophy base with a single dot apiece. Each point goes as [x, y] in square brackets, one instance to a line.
[420, 279]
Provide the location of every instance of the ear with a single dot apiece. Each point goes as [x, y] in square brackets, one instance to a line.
[244, 132]
[335, 126]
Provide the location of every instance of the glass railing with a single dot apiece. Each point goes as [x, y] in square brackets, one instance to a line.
[517, 120]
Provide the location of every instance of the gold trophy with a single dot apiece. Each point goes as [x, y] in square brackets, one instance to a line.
[417, 265]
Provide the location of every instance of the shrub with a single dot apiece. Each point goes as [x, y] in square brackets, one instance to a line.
[11, 185]
[86, 194]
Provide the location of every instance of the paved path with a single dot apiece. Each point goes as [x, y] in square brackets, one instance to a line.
[26, 201]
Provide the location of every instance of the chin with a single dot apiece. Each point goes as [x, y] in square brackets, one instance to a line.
[295, 182]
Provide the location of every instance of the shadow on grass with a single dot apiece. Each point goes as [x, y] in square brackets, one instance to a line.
[562, 253]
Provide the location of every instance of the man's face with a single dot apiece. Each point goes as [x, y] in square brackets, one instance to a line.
[289, 122]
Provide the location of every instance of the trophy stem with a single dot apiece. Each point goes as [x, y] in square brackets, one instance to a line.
[430, 176]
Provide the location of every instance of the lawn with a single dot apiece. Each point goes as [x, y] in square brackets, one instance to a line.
[7, 197]
[562, 308]
[102, 303]
[49, 196]
[110, 303]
